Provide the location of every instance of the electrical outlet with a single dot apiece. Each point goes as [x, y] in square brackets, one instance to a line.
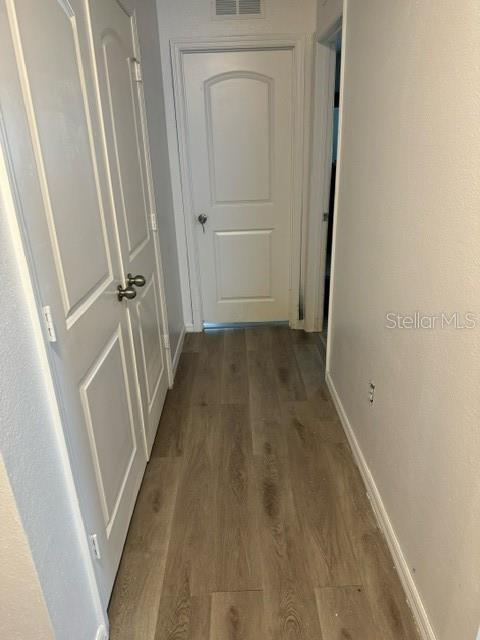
[371, 393]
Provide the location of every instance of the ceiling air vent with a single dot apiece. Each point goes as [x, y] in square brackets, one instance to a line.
[238, 9]
[226, 8]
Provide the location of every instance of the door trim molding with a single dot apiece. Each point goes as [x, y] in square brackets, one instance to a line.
[178, 353]
[297, 44]
[153, 205]
[324, 58]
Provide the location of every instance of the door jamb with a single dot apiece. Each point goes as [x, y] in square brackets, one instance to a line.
[320, 174]
[297, 44]
[153, 212]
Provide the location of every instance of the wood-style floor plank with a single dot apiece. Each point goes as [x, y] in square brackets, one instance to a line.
[181, 394]
[299, 337]
[312, 368]
[150, 526]
[327, 540]
[193, 343]
[290, 608]
[207, 385]
[135, 601]
[253, 520]
[289, 382]
[234, 375]
[345, 614]
[190, 558]
[169, 442]
[237, 616]
[235, 340]
[263, 392]
[304, 415]
[258, 338]
[269, 438]
[183, 617]
[236, 546]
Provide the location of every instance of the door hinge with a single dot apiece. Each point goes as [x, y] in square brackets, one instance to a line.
[166, 341]
[95, 546]
[49, 326]
[325, 216]
[153, 222]
[137, 69]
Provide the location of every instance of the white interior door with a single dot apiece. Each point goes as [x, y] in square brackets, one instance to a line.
[83, 184]
[83, 247]
[121, 94]
[239, 112]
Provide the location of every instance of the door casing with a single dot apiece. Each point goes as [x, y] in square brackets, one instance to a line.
[320, 174]
[180, 47]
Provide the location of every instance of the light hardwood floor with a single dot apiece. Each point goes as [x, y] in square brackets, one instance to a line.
[252, 522]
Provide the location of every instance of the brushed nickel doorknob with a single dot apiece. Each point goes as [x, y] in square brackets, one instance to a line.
[135, 281]
[202, 218]
[129, 293]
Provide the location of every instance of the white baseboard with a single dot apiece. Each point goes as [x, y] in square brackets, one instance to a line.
[408, 583]
[190, 328]
[178, 351]
[102, 633]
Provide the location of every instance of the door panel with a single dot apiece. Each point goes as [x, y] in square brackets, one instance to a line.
[61, 120]
[79, 264]
[111, 427]
[239, 117]
[239, 108]
[128, 162]
[150, 338]
[238, 278]
[121, 97]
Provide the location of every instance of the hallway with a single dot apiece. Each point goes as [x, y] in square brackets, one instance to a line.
[252, 521]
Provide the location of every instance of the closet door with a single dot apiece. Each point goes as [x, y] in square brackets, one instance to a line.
[87, 224]
[121, 96]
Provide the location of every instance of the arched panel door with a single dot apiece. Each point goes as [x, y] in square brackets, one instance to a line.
[239, 112]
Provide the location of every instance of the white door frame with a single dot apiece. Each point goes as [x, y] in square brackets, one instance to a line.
[320, 174]
[297, 44]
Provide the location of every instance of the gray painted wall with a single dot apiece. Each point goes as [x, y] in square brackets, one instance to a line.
[407, 239]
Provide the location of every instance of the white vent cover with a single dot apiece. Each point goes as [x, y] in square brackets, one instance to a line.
[238, 9]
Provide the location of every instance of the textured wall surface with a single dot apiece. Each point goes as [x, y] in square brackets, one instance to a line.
[193, 19]
[407, 239]
[23, 613]
[147, 26]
